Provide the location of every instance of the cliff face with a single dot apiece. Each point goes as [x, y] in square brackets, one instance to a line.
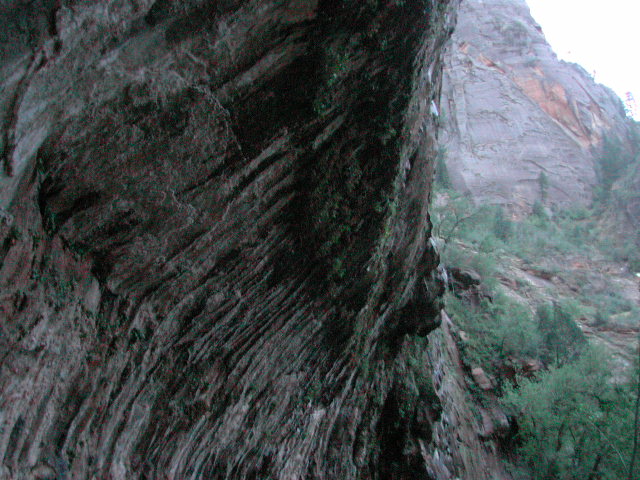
[214, 239]
[512, 111]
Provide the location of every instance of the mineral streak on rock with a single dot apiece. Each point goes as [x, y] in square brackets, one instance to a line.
[215, 242]
[513, 111]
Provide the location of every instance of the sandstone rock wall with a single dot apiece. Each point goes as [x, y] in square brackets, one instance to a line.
[215, 246]
[512, 110]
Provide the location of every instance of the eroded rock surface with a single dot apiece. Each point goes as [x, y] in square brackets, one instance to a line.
[512, 111]
[468, 433]
[215, 242]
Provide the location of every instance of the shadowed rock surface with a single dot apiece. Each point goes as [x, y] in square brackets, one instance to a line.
[512, 111]
[215, 243]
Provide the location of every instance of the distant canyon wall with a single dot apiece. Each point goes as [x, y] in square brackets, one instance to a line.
[513, 111]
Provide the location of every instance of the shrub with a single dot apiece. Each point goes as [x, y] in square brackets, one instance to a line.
[496, 329]
[600, 318]
[574, 422]
[538, 210]
[561, 336]
[543, 183]
[611, 164]
[502, 226]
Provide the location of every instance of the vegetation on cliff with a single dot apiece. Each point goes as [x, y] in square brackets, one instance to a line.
[553, 322]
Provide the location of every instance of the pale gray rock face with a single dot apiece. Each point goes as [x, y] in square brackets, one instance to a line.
[512, 111]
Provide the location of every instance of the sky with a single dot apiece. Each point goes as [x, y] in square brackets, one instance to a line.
[602, 36]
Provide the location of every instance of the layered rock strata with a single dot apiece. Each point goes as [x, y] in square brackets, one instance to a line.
[215, 242]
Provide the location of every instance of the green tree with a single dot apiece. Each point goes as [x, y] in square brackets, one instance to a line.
[538, 211]
[452, 215]
[574, 422]
[502, 226]
[543, 183]
[612, 164]
[561, 335]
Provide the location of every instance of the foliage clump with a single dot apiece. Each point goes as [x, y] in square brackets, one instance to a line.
[575, 422]
[496, 330]
[577, 417]
[560, 334]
